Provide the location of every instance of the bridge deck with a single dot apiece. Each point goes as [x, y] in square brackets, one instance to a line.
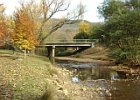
[71, 43]
[68, 44]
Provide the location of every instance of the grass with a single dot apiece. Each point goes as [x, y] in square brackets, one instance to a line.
[3, 51]
[24, 79]
[96, 53]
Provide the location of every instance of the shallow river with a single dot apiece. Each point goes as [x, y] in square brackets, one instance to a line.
[110, 84]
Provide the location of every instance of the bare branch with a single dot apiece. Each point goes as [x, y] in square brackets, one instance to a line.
[57, 7]
[45, 11]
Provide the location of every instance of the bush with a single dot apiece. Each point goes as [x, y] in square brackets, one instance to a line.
[81, 35]
[118, 55]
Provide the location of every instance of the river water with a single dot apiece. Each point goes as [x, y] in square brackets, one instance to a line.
[110, 84]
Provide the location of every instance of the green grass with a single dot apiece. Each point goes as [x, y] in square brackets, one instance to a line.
[24, 79]
[3, 51]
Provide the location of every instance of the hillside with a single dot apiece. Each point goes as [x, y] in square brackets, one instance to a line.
[68, 31]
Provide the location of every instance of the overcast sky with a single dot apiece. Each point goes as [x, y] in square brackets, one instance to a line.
[90, 15]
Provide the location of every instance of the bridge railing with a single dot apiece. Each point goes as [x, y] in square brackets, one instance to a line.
[72, 41]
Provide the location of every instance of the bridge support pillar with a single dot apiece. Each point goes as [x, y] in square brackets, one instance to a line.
[92, 45]
[51, 52]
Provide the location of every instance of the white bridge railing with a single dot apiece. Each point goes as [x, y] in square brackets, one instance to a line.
[72, 41]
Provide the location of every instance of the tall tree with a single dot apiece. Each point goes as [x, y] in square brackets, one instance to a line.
[121, 29]
[24, 37]
[2, 23]
[2, 26]
[45, 11]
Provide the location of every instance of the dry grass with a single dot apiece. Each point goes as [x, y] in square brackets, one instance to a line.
[23, 79]
[96, 53]
[34, 78]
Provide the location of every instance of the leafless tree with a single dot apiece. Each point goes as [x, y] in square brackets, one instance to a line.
[43, 12]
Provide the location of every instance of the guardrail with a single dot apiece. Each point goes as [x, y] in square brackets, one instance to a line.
[73, 41]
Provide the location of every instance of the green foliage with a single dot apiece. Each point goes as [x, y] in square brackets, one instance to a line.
[121, 30]
[112, 8]
[81, 35]
[96, 29]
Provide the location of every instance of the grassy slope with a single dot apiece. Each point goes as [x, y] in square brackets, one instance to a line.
[34, 78]
[97, 53]
[23, 78]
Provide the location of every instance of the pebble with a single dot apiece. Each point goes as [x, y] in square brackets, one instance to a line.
[75, 79]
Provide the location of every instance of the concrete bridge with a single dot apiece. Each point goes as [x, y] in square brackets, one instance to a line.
[80, 43]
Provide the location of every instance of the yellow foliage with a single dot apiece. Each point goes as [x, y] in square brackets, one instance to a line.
[84, 27]
[2, 22]
[24, 37]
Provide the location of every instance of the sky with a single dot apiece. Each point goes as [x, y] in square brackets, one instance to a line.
[91, 13]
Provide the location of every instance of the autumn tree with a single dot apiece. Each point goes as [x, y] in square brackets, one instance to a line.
[6, 29]
[2, 23]
[24, 37]
[2, 26]
[8, 36]
[84, 30]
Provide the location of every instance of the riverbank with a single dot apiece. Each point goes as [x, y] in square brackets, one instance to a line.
[122, 69]
[86, 60]
[68, 90]
[98, 56]
[36, 78]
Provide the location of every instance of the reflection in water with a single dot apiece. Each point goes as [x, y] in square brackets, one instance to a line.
[125, 90]
[94, 73]
[110, 84]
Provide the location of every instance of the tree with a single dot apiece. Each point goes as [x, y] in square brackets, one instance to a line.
[2, 24]
[45, 11]
[84, 27]
[6, 29]
[8, 36]
[112, 8]
[24, 37]
[84, 30]
[121, 29]
[96, 31]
